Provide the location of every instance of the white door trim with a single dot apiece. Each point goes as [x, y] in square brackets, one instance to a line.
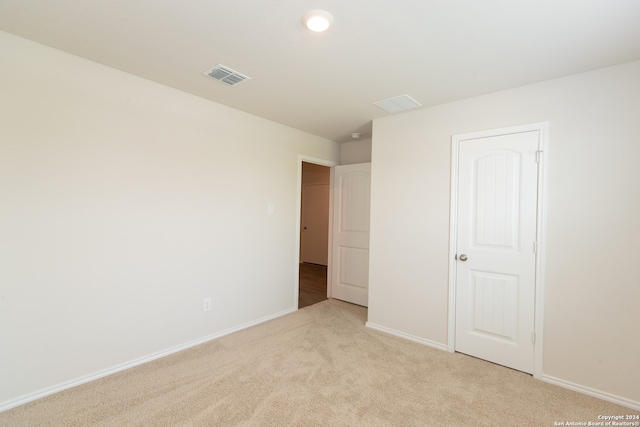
[542, 128]
[321, 162]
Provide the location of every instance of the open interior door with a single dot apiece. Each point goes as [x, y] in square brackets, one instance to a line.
[350, 234]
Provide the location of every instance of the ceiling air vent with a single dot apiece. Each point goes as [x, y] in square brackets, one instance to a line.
[226, 75]
[399, 103]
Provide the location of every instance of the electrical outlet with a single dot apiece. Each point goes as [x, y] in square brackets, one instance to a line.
[206, 304]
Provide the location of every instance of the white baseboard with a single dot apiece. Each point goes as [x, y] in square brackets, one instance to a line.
[409, 337]
[622, 401]
[12, 403]
[30, 397]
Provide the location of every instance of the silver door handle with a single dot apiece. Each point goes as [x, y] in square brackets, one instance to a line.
[462, 257]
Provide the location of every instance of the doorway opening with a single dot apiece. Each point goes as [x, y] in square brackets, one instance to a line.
[315, 211]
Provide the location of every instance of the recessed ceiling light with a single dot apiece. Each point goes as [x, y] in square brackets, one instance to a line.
[317, 20]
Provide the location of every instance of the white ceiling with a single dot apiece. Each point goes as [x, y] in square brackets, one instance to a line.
[436, 51]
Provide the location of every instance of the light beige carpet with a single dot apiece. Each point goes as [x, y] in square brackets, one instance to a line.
[319, 366]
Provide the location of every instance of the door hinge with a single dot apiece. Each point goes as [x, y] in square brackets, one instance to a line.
[533, 337]
[538, 156]
[535, 247]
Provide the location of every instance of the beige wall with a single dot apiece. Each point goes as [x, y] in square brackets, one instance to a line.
[357, 151]
[591, 316]
[125, 203]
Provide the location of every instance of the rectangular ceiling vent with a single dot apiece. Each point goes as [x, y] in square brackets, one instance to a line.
[399, 103]
[226, 75]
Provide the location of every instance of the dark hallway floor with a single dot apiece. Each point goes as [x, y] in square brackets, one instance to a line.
[313, 284]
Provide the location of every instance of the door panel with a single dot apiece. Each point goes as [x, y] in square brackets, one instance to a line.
[497, 183]
[314, 236]
[350, 252]
[495, 289]
[494, 297]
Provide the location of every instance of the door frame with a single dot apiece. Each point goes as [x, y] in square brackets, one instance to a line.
[322, 162]
[542, 128]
